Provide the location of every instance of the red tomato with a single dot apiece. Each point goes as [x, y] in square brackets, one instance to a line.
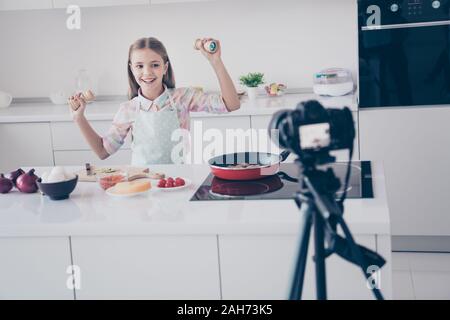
[169, 184]
[179, 182]
[162, 183]
[170, 179]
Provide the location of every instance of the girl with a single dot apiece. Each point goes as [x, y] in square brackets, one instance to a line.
[156, 108]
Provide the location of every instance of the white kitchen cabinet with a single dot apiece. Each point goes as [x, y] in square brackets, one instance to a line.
[70, 147]
[147, 267]
[67, 135]
[97, 3]
[35, 268]
[266, 263]
[25, 145]
[25, 4]
[266, 145]
[232, 134]
[80, 157]
[413, 144]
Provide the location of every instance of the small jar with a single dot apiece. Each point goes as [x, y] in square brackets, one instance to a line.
[83, 81]
[210, 45]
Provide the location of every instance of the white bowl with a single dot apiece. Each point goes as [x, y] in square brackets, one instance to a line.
[5, 99]
[59, 98]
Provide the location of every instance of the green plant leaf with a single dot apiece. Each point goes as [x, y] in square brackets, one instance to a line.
[252, 79]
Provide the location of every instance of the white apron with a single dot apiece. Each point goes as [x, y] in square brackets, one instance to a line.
[152, 133]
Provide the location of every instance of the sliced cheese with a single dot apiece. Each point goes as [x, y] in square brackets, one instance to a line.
[132, 186]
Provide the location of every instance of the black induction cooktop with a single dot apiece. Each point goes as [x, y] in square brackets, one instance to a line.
[284, 184]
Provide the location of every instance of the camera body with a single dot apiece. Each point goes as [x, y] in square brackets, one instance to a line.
[312, 131]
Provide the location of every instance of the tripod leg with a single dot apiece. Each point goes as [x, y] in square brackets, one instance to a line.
[356, 251]
[305, 230]
[319, 256]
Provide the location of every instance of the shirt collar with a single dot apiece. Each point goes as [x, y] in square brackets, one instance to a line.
[158, 103]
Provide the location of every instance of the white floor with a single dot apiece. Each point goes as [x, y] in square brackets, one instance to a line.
[421, 275]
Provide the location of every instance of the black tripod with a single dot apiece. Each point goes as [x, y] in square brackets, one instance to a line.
[318, 206]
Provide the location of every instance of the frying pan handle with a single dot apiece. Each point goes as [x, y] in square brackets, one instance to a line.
[285, 176]
[284, 155]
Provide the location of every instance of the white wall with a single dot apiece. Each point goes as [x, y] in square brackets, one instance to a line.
[288, 40]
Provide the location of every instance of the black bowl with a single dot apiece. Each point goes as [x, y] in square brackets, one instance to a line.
[58, 190]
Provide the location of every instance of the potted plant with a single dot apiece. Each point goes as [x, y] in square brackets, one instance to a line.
[252, 81]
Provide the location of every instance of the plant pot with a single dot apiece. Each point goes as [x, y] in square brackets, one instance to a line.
[252, 92]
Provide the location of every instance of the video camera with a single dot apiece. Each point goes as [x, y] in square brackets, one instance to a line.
[311, 131]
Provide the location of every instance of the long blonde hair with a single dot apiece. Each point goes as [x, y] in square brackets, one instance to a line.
[157, 46]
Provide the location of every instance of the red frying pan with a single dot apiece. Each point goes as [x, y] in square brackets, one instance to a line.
[247, 165]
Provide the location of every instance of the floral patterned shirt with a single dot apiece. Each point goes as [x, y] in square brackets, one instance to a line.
[185, 100]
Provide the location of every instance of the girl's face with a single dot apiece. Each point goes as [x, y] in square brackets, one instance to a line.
[148, 69]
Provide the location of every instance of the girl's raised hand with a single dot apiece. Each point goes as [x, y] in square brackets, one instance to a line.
[77, 106]
[212, 57]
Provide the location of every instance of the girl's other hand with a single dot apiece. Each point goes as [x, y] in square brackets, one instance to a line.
[77, 106]
[212, 57]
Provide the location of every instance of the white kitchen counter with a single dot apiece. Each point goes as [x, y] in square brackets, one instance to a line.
[91, 212]
[44, 112]
[163, 246]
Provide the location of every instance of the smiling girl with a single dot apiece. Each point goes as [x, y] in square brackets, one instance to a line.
[156, 107]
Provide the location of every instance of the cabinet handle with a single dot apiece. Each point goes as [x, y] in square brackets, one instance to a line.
[406, 25]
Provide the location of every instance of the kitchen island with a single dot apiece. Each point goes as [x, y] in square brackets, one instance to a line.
[162, 246]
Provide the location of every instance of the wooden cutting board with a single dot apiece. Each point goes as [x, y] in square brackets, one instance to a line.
[132, 172]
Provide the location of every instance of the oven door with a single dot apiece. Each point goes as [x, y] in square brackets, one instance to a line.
[404, 64]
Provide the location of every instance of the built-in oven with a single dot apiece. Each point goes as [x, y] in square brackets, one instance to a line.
[404, 54]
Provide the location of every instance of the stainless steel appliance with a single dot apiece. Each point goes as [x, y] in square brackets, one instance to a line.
[404, 53]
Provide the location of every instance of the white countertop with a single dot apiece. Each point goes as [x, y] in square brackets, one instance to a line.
[91, 212]
[45, 112]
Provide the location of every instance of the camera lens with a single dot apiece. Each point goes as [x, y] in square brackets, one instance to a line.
[324, 129]
[277, 124]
